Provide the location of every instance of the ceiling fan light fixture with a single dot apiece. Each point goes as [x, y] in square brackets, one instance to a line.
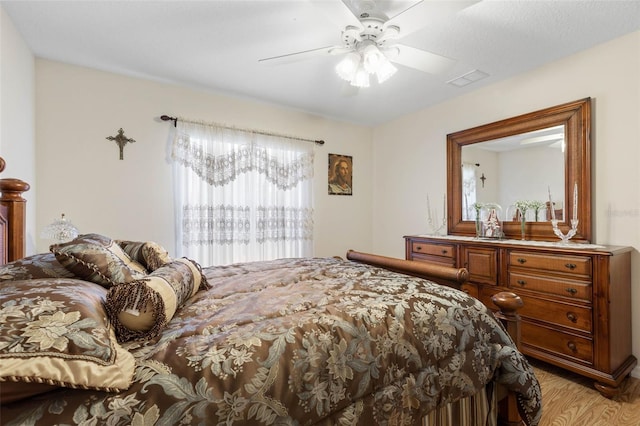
[361, 77]
[390, 52]
[368, 59]
[372, 58]
[385, 71]
[347, 68]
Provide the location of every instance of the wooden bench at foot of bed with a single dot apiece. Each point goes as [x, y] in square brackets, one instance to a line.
[508, 304]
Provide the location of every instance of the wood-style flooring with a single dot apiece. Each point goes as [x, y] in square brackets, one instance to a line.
[571, 400]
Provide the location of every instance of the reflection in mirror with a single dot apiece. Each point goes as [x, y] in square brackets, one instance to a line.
[563, 174]
[493, 172]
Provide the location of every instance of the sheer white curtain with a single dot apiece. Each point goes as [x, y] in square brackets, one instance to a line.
[468, 191]
[241, 196]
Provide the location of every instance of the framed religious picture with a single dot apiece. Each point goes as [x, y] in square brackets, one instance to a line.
[340, 174]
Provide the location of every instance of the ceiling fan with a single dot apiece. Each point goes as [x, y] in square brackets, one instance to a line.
[369, 37]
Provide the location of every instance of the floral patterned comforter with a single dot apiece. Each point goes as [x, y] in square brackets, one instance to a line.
[303, 342]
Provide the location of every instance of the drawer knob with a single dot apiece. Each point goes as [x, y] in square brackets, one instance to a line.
[444, 251]
[570, 265]
[572, 317]
[521, 282]
[418, 248]
[571, 291]
[521, 260]
[572, 346]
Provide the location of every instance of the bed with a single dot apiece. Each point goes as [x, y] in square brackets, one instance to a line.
[317, 341]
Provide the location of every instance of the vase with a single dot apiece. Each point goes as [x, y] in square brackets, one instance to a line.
[523, 232]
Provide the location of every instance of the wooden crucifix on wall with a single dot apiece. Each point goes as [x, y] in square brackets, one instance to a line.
[121, 140]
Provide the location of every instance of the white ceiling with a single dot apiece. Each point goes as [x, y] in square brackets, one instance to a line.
[215, 45]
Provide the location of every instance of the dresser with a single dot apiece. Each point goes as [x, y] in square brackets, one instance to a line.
[577, 297]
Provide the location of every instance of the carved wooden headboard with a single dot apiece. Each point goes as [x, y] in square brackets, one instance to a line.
[12, 218]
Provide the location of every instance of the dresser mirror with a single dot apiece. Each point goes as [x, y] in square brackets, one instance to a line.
[532, 157]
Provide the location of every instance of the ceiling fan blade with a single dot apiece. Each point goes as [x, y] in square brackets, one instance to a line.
[337, 12]
[421, 59]
[420, 14]
[301, 56]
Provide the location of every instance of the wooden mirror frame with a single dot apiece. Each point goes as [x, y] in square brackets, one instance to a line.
[576, 117]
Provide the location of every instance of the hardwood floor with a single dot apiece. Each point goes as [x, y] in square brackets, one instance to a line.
[571, 400]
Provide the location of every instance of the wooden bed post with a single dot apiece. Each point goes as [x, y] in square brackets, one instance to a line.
[509, 303]
[11, 198]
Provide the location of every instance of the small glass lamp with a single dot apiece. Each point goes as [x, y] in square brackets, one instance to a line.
[60, 231]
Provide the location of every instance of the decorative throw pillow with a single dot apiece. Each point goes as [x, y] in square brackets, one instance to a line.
[98, 259]
[43, 265]
[54, 333]
[140, 309]
[151, 255]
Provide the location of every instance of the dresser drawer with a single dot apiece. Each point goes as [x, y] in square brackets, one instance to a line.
[576, 265]
[447, 261]
[562, 314]
[443, 250]
[561, 344]
[580, 290]
[482, 264]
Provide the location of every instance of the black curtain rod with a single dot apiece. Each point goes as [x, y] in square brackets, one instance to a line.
[318, 142]
[167, 118]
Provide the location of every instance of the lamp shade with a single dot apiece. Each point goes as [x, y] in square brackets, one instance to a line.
[60, 231]
[347, 68]
[361, 78]
[367, 59]
[385, 71]
[372, 58]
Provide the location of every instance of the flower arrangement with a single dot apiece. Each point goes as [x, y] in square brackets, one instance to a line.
[536, 206]
[477, 207]
[524, 205]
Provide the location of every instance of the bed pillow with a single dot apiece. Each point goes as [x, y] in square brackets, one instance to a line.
[141, 309]
[43, 265]
[149, 254]
[98, 259]
[54, 333]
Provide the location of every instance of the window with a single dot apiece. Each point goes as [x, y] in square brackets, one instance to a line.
[468, 191]
[241, 196]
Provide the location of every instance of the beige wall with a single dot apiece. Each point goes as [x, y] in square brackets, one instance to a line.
[410, 156]
[80, 174]
[17, 115]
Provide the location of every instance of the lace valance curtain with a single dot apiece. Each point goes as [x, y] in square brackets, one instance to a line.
[241, 196]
